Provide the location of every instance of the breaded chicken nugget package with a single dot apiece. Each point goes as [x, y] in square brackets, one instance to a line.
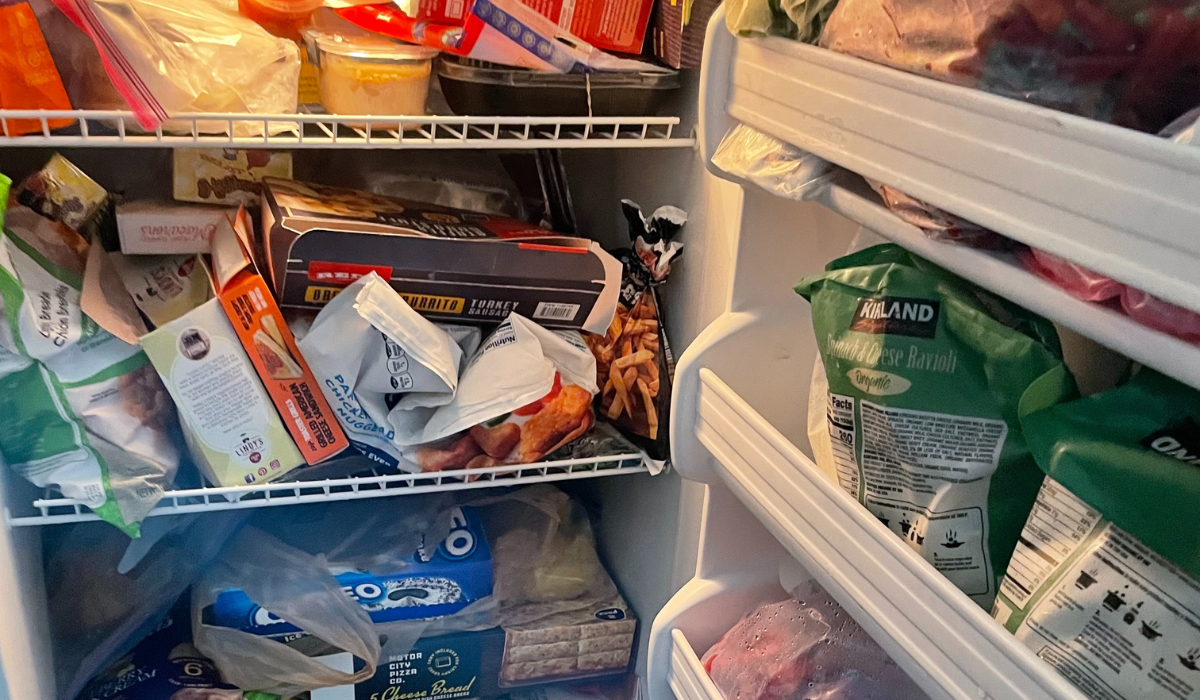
[525, 393]
[383, 367]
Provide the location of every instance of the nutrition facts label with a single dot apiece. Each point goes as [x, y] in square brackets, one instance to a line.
[841, 436]
[1057, 525]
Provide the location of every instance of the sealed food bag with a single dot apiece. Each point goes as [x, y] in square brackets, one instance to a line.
[84, 411]
[926, 374]
[804, 648]
[526, 393]
[634, 360]
[168, 57]
[29, 80]
[1163, 316]
[383, 367]
[1079, 281]
[102, 601]
[1128, 63]
[801, 20]
[1105, 583]
[939, 224]
[778, 167]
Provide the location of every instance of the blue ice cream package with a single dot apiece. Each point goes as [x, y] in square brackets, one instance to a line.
[430, 584]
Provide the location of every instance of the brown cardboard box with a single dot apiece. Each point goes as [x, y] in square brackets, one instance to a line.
[679, 27]
[448, 264]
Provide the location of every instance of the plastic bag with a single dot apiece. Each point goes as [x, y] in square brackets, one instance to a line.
[939, 224]
[804, 648]
[28, 77]
[1109, 552]
[1081, 282]
[79, 63]
[84, 411]
[778, 167]
[526, 392]
[297, 587]
[380, 363]
[167, 57]
[1152, 312]
[1129, 63]
[925, 374]
[801, 20]
[97, 613]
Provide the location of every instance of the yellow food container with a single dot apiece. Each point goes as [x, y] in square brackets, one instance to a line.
[370, 76]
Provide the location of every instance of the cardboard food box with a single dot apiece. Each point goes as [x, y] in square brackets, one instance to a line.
[679, 27]
[230, 176]
[250, 406]
[448, 264]
[582, 642]
[166, 228]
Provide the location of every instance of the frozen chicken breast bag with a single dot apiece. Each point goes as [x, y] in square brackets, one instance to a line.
[926, 376]
[84, 412]
[1105, 582]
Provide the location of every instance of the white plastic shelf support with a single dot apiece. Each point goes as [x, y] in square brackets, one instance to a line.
[1124, 203]
[54, 511]
[1003, 274]
[306, 131]
[687, 677]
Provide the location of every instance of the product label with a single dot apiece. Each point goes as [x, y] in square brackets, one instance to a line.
[1113, 617]
[1180, 441]
[896, 316]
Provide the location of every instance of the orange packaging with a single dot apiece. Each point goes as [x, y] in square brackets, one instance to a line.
[272, 349]
[28, 77]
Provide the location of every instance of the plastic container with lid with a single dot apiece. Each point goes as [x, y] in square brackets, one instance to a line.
[283, 18]
[370, 75]
[478, 87]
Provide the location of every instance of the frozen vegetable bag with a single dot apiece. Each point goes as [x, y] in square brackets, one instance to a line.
[84, 412]
[926, 374]
[1105, 582]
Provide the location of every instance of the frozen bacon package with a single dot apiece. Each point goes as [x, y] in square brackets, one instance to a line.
[633, 359]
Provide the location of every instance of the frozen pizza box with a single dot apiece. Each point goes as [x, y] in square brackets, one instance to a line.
[448, 264]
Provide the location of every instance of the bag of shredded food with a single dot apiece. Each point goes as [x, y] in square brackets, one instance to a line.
[926, 374]
[84, 412]
[1105, 581]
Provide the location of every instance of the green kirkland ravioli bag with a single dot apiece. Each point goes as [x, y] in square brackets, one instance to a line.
[80, 410]
[926, 375]
[1105, 582]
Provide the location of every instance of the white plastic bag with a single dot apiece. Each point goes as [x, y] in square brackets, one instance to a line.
[297, 587]
[380, 363]
[167, 57]
[527, 392]
[777, 167]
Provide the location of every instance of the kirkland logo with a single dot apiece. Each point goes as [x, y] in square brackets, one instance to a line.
[1180, 441]
[896, 316]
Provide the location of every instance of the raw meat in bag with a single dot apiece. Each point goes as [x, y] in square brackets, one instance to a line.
[167, 57]
[804, 648]
[1079, 281]
[383, 367]
[525, 393]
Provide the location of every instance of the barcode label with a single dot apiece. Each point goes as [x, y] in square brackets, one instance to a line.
[555, 312]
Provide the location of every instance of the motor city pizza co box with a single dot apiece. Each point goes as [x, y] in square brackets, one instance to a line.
[448, 264]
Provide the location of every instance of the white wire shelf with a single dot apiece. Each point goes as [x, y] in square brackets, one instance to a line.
[56, 511]
[306, 131]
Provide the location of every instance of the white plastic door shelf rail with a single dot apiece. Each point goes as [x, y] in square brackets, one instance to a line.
[1123, 203]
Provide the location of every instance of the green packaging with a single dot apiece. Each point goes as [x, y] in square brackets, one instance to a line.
[1104, 582]
[926, 374]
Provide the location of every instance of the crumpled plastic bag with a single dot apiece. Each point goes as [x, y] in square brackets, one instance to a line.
[805, 648]
[776, 166]
[383, 367]
[801, 20]
[937, 223]
[167, 57]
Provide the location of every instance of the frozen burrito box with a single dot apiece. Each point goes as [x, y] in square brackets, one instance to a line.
[1105, 582]
[83, 410]
[448, 264]
[915, 411]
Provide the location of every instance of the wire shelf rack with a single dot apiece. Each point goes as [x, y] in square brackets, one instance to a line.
[305, 131]
[55, 511]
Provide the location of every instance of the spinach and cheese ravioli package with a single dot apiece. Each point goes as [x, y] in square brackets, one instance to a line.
[926, 375]
[1105, 582]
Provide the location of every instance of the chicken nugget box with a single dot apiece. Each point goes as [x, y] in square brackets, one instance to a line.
[581, 641]
[250, 406]
[448, 264]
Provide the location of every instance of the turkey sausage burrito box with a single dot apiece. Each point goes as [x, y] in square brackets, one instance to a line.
[250, 406]
[915, 413]
[1105, 582]
[448, 264]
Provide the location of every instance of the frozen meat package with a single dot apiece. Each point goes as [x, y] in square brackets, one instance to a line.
[914, 408]
[1105, 582]
[804, 648]
[84, 411]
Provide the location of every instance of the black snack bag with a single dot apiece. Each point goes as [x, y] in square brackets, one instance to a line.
[634, 363]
